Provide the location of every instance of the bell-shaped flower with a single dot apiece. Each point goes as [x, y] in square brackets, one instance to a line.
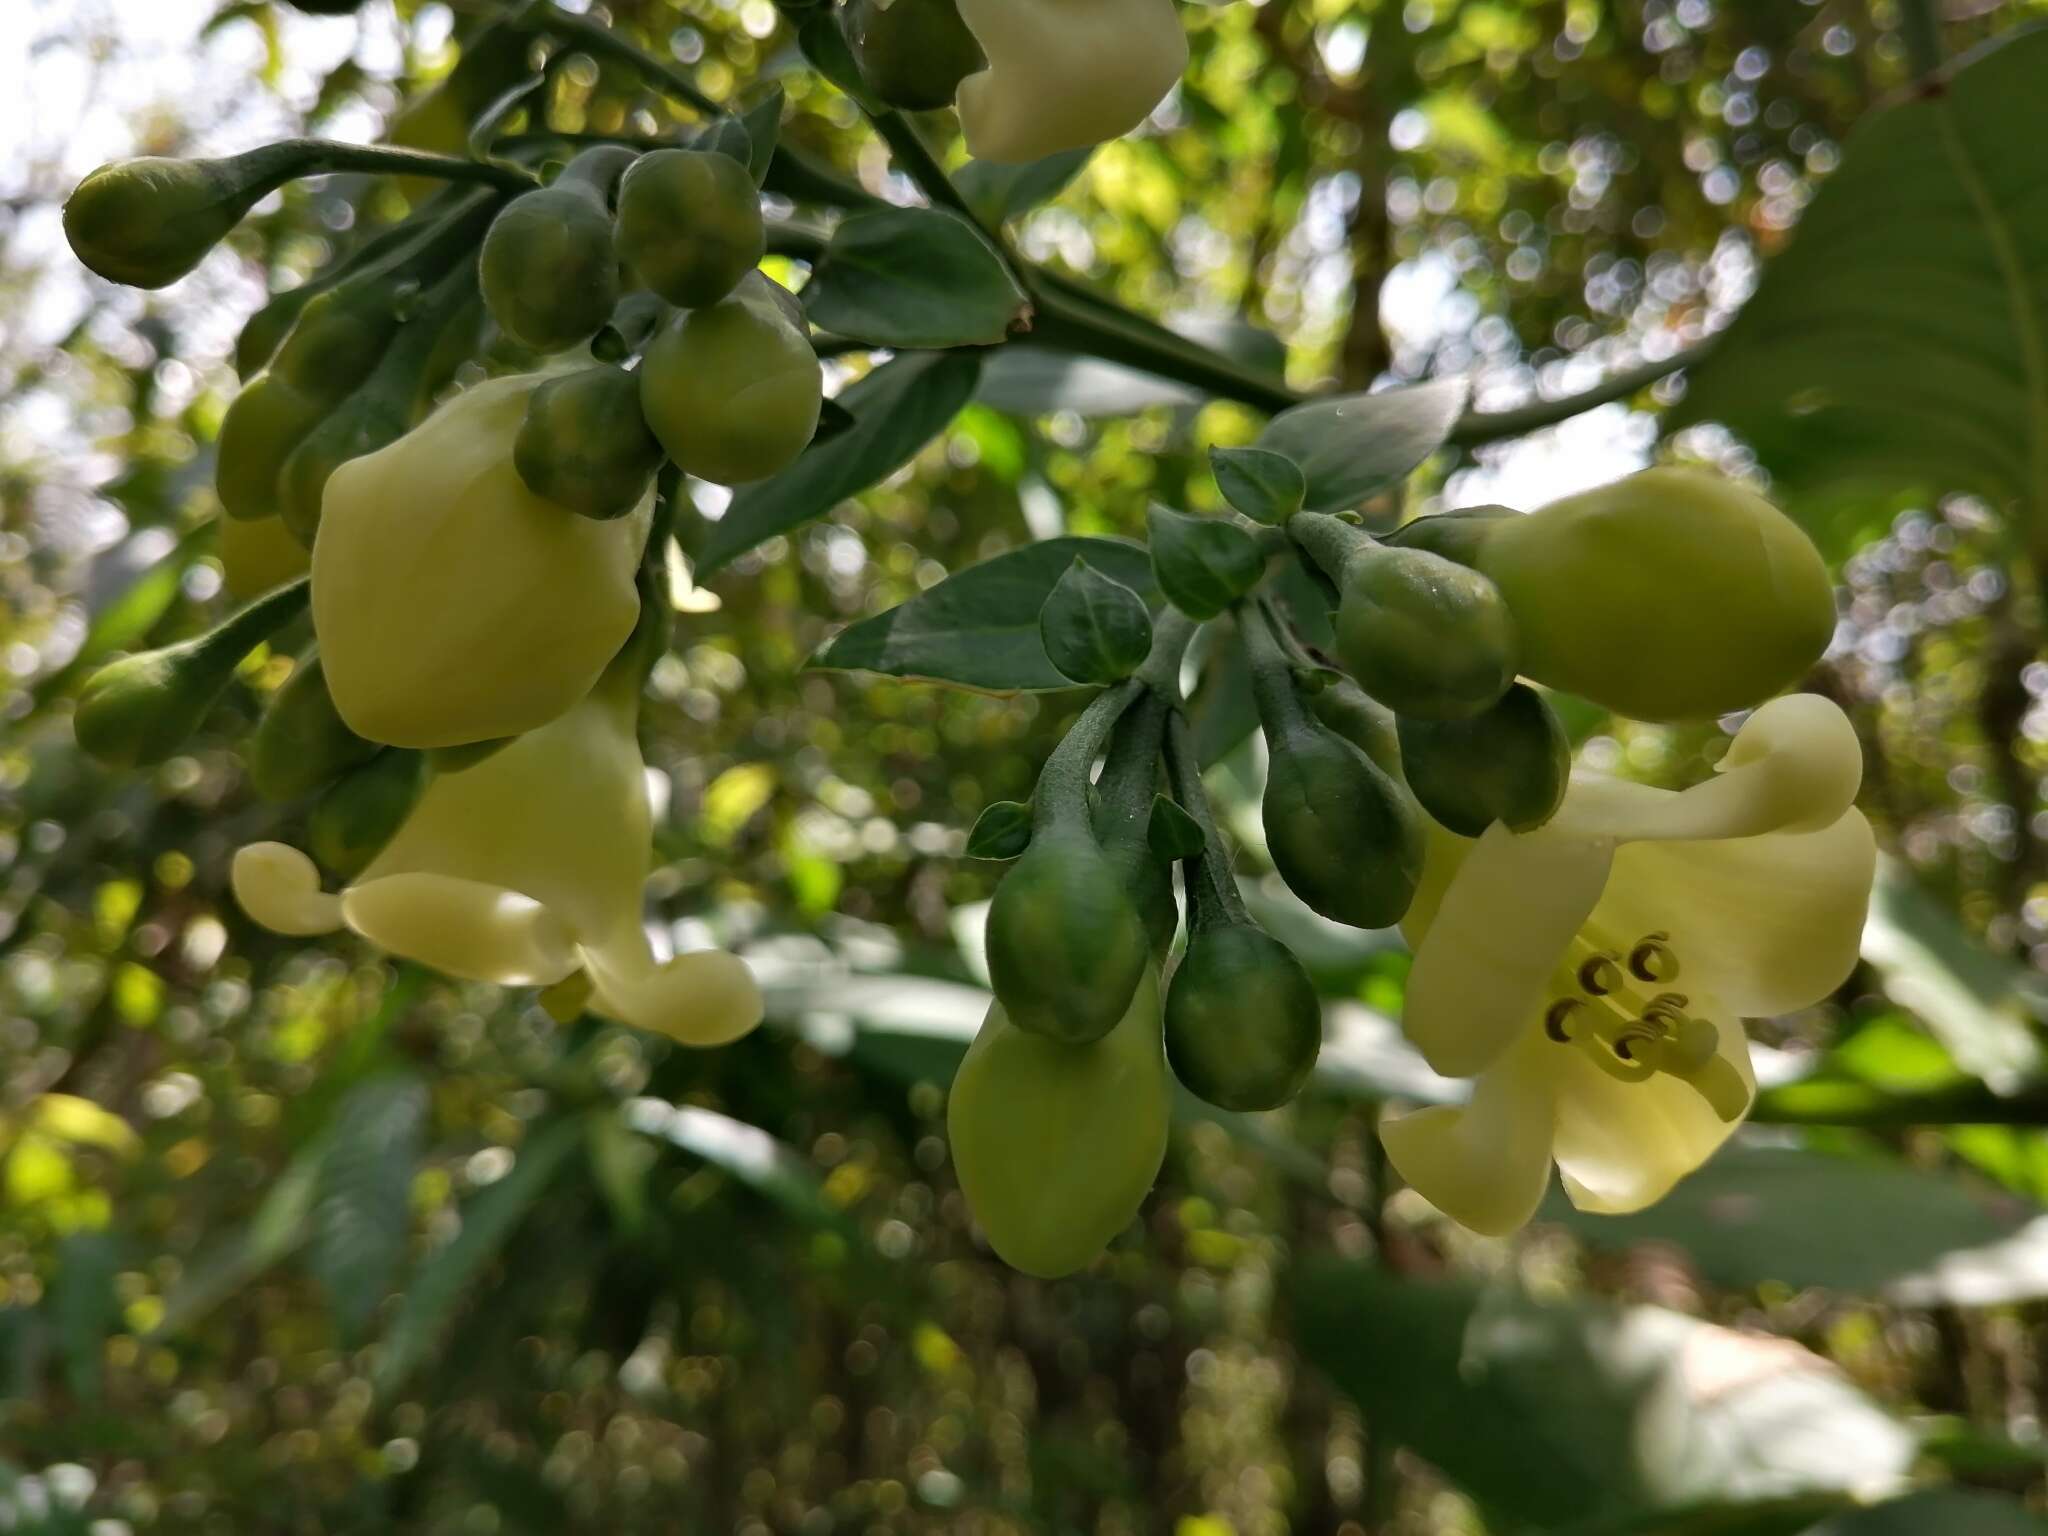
[452, 604]
[1063, 74]
[1593, 975]
[524, 870]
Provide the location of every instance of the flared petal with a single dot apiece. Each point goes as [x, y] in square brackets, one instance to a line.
[279, 887]
[1510, 913]
[1621, 1146]
[707, 997]
[1063, 74]
[1484, 1164]
[1795, 766]
[481, 932]
[1761, 925]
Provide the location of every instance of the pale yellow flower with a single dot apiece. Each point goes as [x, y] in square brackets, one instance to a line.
[1593, 976]
[1063, 74]
[523, 870]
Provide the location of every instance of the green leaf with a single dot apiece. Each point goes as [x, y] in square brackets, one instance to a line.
[1093, 627]
[1036, 381]
[897, 409]
[437, 1283]
[823, 44]
[913, 277]
[1898, 346]
[278, 1227]
[1265, 486]
[979, 627]
[998, 193]
[362, 1221]
[763, 122]
[1757, 1214]
[1937, 1512]
[1351, 447]
[1581, 1413]
[1203, 563]
[1172, 833]
[619, 1164]
[749, 1154]
[1001, 831]
[84, 1307]
[726, 135]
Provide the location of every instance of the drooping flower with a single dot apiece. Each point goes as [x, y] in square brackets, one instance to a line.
[1593, 976]
[523, 870]
[1063, 74]
[452, 604]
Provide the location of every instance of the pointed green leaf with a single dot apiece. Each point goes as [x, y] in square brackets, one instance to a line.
[823, 44]
[1351, 447]
[1093, 627]
[1265, 486]
[362, 1222]
[1172, 833]
[913, 277]
[726, 136]
[1203, 564]
[763, 123]
[1001, 831]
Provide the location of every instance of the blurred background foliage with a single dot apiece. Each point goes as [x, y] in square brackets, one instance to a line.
[294, 1239]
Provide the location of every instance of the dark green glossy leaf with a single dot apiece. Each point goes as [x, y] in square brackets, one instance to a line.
[1001, 831]
[1352, 447]
[1093, 627]
[1203, 563]
[896, 409]
[763, 123]
[979, 627]
[913, 277]
[1266, 486]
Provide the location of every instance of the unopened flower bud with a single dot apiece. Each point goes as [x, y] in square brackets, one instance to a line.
[690, 224]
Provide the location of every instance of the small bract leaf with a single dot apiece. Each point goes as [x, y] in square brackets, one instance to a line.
[1002, 831]
[726, 136]
[763, 122]
[1351, 447]
[1266, 486]
[1094, 628]
[1204, 565]
[1172, 833]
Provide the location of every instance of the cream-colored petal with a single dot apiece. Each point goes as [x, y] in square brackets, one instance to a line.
[1511, 912]
[481, 932]
[1484, 1164]
[279, 887]
[706, 997]
[1063, 74]
[1621, 1146]
[1443, 855]
[1795, 766]
[1760, 925]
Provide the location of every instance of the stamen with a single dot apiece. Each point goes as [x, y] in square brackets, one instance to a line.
[1652, 959]
[1600, 976]
[1558, 1018]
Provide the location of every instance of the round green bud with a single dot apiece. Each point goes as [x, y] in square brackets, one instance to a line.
[913, 54]
[1243, 1023]
[733, 392]
[1509, 764]
[584, 444]
[1424, 635]
[1057, 1145]
[302, 742]
[690, 224]
[549, 274]
[363, 810]
[148, 222]
[1343, 835]
[1671, 595]
[1066, 944]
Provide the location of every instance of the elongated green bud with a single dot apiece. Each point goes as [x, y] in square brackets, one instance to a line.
[734, 391]
[302, 742]
[148, 222]
[364, 808]
[1057, 1145]
[584, 445]
[913, 54]
[1509, 764]
[141, 709]
[690, 224]
[1422, 634]
[550, 275]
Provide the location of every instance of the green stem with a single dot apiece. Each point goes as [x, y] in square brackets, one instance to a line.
[1329, 541]
[324, 158]
[1061, 799]
[1160, 670]
[1920, 27]
[1486, 426]
[1214, 900]
[1282, 712]
[1098, 329]
[602, 41]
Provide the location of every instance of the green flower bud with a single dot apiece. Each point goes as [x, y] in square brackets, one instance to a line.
[1066, 943]
[302, 741]
[258, 554]
[1422, 634]
[913, 54]
[584, 444]
[1670, 595]
[550, 275]
[1509, 765]
[148, 222]
[1361, 720]
[142, 708]
[351, 823]
[1057, 1145]
[690, 224]
[734, 391]
[1243, 1023]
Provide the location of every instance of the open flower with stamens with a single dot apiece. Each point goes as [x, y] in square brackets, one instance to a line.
[1593, 975]
[1064, 74]
[523, 870]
